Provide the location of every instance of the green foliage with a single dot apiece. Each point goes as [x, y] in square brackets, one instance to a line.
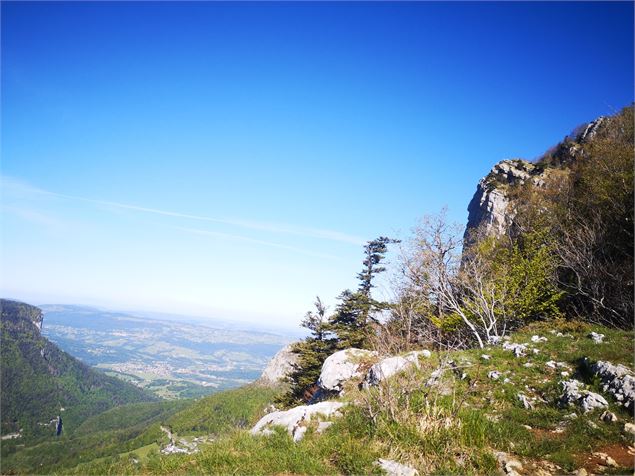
[520, 277]
[38, 379]
[357, 310]
[223, 411]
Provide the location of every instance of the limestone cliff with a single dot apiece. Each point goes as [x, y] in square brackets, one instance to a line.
[491, 210]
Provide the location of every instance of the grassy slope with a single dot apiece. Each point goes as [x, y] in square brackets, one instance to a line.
[453, 427]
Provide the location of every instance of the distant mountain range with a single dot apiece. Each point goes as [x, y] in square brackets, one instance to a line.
[41, 382]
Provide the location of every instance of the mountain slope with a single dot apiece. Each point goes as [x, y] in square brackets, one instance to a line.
[39, 379]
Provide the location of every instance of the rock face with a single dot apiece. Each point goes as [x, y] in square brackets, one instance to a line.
[491, 210]
[295, 419]
[390, 366]
[279, 367]
[342, 366]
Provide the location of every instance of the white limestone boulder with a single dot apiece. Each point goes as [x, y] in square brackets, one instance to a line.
[390, 366]
[295, 420]
[343, 366]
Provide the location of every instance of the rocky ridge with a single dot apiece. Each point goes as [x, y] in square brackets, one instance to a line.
[491, 211]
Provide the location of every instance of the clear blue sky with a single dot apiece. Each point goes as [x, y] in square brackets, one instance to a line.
[229, 159]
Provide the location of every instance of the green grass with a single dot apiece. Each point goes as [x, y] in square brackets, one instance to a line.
[452, 428]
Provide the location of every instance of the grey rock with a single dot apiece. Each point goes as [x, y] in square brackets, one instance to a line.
[294, 420]
[341, 367]
[279, 366]
[617, 380]
[519, 350]
[573, 393]
[597, 338]
[390, 366]
[494, 375]
[608, 417]
[392, 468]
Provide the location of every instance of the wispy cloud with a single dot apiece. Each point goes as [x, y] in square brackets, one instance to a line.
[13, 186]
[231, 237]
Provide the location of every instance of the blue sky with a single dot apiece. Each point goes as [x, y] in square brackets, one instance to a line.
[230, 159]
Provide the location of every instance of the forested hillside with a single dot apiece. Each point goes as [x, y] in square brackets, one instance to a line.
[41, 382]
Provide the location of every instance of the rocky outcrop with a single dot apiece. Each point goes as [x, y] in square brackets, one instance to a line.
[618, 381]
[573, 393]
[295, 420]
[491, 211]
[279, 366]
[343, 366]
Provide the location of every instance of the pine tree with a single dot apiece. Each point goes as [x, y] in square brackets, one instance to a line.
[357, 309]
[312, 352]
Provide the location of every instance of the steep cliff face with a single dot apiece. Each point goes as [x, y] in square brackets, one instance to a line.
[491, 210]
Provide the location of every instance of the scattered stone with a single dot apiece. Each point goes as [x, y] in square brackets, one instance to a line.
[341, 367]
[494, 374]
[528, 364]
[592, 424]
[519, 350]
[510, 466]
[564, 373]
[292, 420]
[571, 416]
[392, 468]
[494, 340]
[486, 356]
[597, 338]
[434, 377]
[525, 401]
[535, 351]
[507, 380]
[393, 365]
[629, 428]
[608, 417]
[538, 339]
[618, 381]
[527, 427]
[606, 459]
[581, 472]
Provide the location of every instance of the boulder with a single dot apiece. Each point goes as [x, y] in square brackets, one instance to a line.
[390, 366]
[341, 367]
[392, 468]
[279, 366]
[574, 394]
[294, 420]
[597, 338]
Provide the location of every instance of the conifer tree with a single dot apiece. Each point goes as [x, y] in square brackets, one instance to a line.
[357, 309]
[311, 352]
